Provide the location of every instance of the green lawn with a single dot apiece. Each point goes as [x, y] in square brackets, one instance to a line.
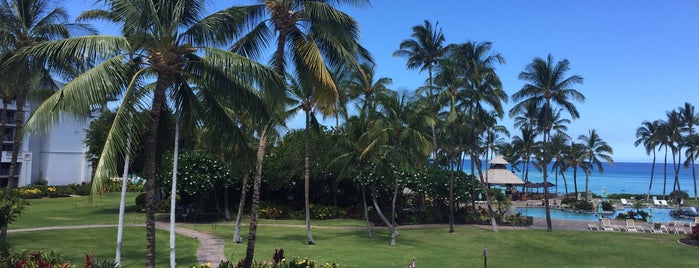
[77, 211]
[435, 247]
[345, 241]
[74, 244]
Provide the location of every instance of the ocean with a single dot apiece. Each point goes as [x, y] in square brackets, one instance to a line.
[621, 177]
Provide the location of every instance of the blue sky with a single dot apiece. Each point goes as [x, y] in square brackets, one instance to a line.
[639, 59]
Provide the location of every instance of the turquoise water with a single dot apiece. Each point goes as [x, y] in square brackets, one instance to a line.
[618, 178]
[659, 214]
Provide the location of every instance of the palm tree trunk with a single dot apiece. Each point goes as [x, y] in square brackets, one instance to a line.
[565, 183]
[255, 203]
[394, 214]
[549, 227]
[122, 205]
[241, 205]
[451, 186]
[575, 178]
[173, 192]
[676, 165]
[484, 183]
[12, 180]
[306, 182]
[665, 174]
[366, 212]
[149, 148]
[694, 175]
[388, 223]
[652, 172]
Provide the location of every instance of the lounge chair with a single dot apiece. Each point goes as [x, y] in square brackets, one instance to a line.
[663, 203]
[656, 203]
[592, 227]
[625, 203]
[675, 227]
[631, 226]
[608, 226]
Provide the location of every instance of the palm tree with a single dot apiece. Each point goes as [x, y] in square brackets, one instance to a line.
[26, 24]
[674, 140]
[547, 85]
[161, 42]
[558, 148]
[690, 118]
[391, 136]
[576, 158]
[318, 36]
[665, 131]
[692, 153]
[364, 86]
[424, 50]
[595, 148]
[647, 134]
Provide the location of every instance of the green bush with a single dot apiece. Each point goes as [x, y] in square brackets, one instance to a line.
[141, 202]
[322, 212]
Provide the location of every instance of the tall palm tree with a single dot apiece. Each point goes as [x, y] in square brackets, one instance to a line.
[577, 158]
[424, 50]
[690, 118]
[596, 150]
[394, 138]
[364, 86]
[648, 135]
[547, 85]
[162, 42]
[317, 35]
[692, 153]
[26, 24]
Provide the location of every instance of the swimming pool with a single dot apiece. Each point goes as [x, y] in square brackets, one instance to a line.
[659, 214]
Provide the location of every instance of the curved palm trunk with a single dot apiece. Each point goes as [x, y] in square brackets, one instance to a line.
[306, 182]
[173, 193]
[391, 227]
[12, 180]
[565, 182]
[366, 212]
[122, 204]
[241, 206]
[473, 188]
[652, 172]
[149, 148]
[676, 165]
[255, 203]
[451, 187]
[486, 186]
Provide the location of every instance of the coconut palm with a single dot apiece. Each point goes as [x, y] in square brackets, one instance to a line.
[577, 158]
[26, 24]
[547, 85]
[648, 135]
[364, 86]
[424, 50]
[690, 118]
[692, 153]
[161, 43]
[596, 150]
[401, 144]
[317, 35]
[673, 136]
[558, 148]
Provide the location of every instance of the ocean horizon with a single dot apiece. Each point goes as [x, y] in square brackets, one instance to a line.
[621, 177]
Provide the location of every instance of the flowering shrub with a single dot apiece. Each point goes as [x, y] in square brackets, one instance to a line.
[30, 193]
[273, 213]
[695, 232]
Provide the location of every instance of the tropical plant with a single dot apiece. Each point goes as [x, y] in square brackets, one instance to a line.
[547, 86]
[27, 24]
[689, 119]
[11, 207]
[424, 50]
[648, 135]
[596, 150]
[161, 43]
[400, 145]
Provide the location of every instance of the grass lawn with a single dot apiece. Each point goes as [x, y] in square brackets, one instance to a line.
[435, 247]
[77, 211]
[74, 244]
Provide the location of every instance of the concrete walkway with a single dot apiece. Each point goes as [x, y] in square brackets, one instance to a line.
[210, 247]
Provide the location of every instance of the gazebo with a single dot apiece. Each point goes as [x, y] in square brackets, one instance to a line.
[498, 174]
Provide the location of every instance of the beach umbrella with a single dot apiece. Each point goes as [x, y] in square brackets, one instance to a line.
[599, 210]
[650, 214]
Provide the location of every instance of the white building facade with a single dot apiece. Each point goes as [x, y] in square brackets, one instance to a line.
[57, 157]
